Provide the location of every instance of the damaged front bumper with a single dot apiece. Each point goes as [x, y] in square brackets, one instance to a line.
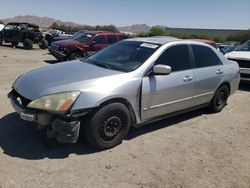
[64, 129]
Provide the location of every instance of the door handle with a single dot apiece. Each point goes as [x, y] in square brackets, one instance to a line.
[219, 71]
[187, 78]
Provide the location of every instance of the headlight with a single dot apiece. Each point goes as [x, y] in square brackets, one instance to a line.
[59, 102]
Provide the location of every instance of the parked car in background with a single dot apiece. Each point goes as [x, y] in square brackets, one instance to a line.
[25, 33]
[228, 44]
[209, 42]
[52, 33]
[228, 49]
[130, 83]
[83, 44]
[67, 36]
[242, 56]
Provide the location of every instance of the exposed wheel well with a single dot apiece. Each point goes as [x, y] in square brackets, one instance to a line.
[77, 51]
[126, 103]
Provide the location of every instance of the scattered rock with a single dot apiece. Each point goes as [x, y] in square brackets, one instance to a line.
[108, 167]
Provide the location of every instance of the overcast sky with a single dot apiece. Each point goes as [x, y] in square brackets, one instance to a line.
[224, 14]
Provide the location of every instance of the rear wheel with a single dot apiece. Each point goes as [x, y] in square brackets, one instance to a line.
[27, 44]
[219, 100]
[108, 126]
[43, 44]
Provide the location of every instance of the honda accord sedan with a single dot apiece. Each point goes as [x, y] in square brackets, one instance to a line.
[130, 83]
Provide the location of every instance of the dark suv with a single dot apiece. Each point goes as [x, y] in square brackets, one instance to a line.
[84, 44]
[25, 33]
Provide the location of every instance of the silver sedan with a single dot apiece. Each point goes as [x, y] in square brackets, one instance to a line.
[130, 83]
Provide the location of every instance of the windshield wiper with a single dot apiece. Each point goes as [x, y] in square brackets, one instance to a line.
[101, 65]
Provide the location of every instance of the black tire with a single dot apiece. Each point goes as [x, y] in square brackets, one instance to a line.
[219, 100]
[108, 126]
[15, 44]
[43, 44]
[75, 55]
[27, 44]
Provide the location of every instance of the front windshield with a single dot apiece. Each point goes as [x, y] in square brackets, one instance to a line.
[123, 56]
[244, 47]
[82, 37]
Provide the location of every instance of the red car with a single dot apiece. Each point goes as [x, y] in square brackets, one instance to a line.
[209, 42]
[84, 44]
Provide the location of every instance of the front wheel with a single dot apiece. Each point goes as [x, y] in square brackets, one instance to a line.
[219, 100]
[75, 55]
[108, 126]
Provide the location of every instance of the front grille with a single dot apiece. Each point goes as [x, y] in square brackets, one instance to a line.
[243, 75]
[243, 63]
[20, 99]
[54, 47]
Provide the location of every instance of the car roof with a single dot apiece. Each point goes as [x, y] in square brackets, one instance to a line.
[103, 32]
[156, 40]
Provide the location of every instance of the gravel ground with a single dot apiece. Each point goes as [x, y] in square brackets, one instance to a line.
[196, 149]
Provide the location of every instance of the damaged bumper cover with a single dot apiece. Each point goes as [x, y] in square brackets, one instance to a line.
[65, 129]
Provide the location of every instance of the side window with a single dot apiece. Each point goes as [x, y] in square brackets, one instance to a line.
[100, 39]
[121, 37]
[176, 57]
[9, 27]
[112, 39]
[204, 56]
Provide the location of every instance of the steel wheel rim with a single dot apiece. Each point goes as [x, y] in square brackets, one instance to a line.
[221, 98]
[110, 128]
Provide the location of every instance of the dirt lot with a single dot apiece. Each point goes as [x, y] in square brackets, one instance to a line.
[196, 149]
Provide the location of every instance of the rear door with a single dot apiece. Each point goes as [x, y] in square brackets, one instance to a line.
[163, 94]
[209, 72]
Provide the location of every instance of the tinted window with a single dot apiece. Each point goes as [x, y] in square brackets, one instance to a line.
[123, 37]
[100, 39]
[205, 56]
[111, 39]
[176, 57]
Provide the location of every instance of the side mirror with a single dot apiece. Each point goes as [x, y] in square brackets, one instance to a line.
[162, 69]
[93, 42]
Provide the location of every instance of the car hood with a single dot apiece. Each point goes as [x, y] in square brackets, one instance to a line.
[66, 42]
[238, 55]
[67, 76]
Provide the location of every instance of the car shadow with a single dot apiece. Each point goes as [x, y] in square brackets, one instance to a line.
[10, 46]
[51, 61]
[136, 132]
[20, 139]
[20, 47]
